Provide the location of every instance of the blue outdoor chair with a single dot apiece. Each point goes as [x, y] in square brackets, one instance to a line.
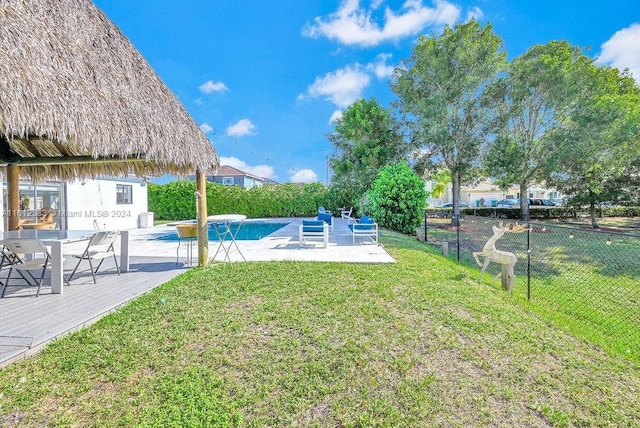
[314, 230]
[366, 226]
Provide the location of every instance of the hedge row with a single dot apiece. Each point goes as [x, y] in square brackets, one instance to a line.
[177, 201]
[543, 213]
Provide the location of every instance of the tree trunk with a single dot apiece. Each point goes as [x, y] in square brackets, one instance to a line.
[455, 182]
[524, 202]
[592, 213]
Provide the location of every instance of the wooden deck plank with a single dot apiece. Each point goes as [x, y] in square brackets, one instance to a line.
[27, 323]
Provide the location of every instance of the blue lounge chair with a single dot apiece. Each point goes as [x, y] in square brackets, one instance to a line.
[366, 226]
[326, 217]
[314, 230]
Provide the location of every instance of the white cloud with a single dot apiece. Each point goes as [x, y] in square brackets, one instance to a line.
[622, 50]
[210, 86]
[475, 13]
[345, 86]
[206, 128]
[353, 25]
[335, 116]
[304, 176]
[265, 171]
[379, 67]
[240, 128]
[342, 87]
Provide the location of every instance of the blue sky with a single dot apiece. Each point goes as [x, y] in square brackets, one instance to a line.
[266, 79]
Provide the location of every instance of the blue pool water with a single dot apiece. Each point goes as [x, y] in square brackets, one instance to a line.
[249, 231]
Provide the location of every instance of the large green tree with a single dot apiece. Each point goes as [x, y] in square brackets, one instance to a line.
[628, 184]
[537, 95]
[366, 138]
[600, 140]
[440, 89]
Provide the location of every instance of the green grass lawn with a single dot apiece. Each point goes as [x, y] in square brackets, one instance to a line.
[621, 224]
[578, 280]
[415, 343]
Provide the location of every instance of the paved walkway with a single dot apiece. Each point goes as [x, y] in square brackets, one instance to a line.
[28, 323]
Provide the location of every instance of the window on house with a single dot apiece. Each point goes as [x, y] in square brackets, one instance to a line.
[124, 194]
[227, 181]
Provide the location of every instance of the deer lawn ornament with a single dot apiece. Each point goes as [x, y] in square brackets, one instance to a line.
[506, 259]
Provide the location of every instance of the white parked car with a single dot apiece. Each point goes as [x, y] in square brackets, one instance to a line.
[508, 203]
[450, 205]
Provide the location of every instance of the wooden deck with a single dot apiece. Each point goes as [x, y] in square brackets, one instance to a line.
[28, 323]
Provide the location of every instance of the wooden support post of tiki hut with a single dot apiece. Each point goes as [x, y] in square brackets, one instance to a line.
[13, 197]
[201, 201]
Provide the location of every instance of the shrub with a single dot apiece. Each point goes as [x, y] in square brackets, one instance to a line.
[172, 201]
[397, 198]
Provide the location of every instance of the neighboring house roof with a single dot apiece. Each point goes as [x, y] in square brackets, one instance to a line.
[229, 171]
[78, 99]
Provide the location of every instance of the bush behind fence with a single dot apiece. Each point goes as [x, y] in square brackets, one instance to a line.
[557, 212]
[585, 279]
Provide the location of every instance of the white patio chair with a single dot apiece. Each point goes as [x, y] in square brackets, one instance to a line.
[365, 226]
[346, 213]
[7, 258]
[100, 247]
[39, 262]
[314, 230]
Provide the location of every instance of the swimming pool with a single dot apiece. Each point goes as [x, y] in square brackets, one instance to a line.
[249, 231]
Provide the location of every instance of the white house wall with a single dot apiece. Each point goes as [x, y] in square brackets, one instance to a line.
[2, 209]
[490, 192]
[90, 200]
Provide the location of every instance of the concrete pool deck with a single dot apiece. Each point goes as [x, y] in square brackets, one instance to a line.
[282, 244]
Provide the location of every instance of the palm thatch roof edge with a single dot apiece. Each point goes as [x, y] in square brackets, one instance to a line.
[71, 84]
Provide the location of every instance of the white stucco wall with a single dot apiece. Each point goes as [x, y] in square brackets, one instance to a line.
[2, 208]
[96, 199]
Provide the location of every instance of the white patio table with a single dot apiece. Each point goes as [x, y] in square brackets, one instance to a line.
[56, 238]
[225, 221]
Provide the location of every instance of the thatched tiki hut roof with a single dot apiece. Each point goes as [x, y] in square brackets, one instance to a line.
[77, 99]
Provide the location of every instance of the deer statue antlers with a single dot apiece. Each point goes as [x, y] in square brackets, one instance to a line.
[515, 228]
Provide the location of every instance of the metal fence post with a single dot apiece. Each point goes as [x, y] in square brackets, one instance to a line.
[458, 234]
[528, 260]
[425, 225]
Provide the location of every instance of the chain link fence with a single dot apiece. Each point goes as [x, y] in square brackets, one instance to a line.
[587, 280]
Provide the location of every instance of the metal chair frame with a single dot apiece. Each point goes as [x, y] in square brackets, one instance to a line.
[104, 241]
[27, 246]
